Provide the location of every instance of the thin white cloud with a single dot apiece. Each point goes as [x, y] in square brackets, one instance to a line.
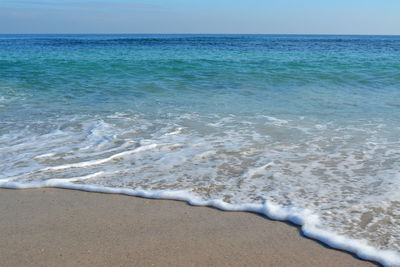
[76, 4]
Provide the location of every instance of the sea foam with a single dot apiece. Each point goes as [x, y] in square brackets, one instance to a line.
[235, 169]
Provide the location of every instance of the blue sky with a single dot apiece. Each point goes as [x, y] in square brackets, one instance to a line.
[201, 16]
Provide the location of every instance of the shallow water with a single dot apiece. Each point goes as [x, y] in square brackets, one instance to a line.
[307, 125]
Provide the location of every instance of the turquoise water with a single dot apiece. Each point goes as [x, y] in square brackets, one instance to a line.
[310, 124]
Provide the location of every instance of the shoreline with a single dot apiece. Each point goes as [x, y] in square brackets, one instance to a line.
[53, 226]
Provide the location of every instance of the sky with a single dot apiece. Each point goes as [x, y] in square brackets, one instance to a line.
[201, 16]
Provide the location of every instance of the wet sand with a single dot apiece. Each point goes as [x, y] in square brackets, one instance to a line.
[58, 227]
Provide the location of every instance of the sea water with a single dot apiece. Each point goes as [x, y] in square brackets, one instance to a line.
[299, 128]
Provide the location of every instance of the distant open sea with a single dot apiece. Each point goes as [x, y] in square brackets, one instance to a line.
[299, 128]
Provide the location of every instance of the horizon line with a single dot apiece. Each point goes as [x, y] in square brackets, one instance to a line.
[331, 34]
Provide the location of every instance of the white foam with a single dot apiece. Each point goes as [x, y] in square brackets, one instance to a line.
[178, 131]
[46, 155]
[276, 121]
[100, 161]
[329, 178]
[302, 217]
[259, 170]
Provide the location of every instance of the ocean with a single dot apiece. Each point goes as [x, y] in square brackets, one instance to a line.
[302, 128]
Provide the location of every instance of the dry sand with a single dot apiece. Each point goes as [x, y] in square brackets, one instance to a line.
[57, 227]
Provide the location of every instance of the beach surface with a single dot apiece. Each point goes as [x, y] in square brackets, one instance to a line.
[57, 227]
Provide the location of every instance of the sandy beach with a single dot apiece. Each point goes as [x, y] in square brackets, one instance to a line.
[57, 227]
